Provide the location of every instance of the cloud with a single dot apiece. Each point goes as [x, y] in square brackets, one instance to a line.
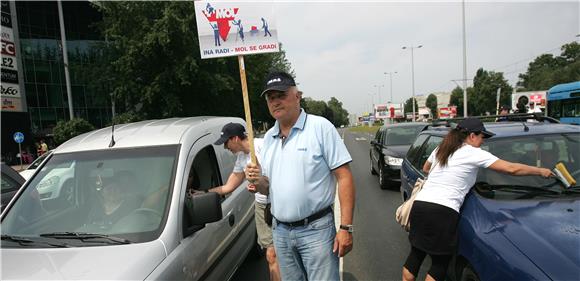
[342, 49]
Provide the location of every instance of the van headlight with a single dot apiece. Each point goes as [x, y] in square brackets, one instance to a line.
[393, 161]
[49, 182]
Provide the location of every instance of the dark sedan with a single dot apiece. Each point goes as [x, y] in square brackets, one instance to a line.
[388, 149]
[11, 182]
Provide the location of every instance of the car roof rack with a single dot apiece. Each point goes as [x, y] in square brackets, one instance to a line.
[515, 117]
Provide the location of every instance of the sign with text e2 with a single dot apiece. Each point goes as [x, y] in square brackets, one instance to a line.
[9, 62]
[235, 28]
[18, 137]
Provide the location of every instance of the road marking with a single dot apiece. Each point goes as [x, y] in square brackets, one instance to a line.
[361, 139]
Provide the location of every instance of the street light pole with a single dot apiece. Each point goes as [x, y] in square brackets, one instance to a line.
[413, 74]
[464, 63]
[391, 82]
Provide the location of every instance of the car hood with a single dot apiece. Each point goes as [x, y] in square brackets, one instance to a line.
[398, 151]
[119, 262]
[547, 232]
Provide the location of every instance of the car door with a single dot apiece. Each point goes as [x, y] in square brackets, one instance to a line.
[376, 148]
[198, 256]
[414, 167]
[211, 252]
[406, 168]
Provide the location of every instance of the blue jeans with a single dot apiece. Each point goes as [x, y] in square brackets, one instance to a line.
[305, 252]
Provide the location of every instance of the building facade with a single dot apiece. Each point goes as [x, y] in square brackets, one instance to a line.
[41, 81]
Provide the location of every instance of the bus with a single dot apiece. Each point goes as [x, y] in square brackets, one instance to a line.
[564, 102]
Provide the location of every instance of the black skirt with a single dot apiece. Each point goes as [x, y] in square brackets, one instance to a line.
[433, 228]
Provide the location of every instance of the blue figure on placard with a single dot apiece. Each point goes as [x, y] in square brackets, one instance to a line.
[216, 34]
[209, 9]
[240, 28]
[265, 27]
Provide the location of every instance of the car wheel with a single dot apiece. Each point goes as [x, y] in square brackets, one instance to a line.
[468, 274]
[382, 181]
[373, 172]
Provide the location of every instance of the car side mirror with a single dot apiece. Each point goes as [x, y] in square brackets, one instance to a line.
[373, 142]
[203, 208]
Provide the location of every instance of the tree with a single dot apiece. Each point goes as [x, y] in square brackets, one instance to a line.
[431, 103]
[315, 107]
[546, 70]
[332, 110]
[65, 130]
[154, 68]
[340, 115]
[485, 85]
[409, 106]
[457, 100]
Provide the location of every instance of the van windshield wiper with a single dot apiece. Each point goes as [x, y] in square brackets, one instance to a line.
[83, 236]
[27, 241]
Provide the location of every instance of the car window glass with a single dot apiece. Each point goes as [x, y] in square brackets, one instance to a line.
[8, 184]
[429, 146]
[203, 175]
[401, 135]
[416, 147]
[120, 192]
[539, 151]
[378, 134]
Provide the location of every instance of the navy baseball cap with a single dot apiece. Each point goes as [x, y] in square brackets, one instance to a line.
[230, 130]
[474, 125]
[278, 81]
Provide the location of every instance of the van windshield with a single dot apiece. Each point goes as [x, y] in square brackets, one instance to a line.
[119, 193]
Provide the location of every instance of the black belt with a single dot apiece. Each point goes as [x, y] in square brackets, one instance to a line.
[311, 218]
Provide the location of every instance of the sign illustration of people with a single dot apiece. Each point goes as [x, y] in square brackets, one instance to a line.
[216, 34]
[209, 8]
[238, 23]
[265, 27]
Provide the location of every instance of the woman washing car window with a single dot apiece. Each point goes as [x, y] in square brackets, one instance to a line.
[435, 212]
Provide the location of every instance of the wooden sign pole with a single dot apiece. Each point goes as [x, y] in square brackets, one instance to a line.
[249, 128]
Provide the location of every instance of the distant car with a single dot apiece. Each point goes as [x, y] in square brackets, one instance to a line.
[11, 182]
[136, 209]
[388, 149]
[514, 228]
[28, 172]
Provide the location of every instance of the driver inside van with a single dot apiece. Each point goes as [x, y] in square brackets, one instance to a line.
[115, 203]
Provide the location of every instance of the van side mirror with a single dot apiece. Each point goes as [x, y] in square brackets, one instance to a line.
[203, 208]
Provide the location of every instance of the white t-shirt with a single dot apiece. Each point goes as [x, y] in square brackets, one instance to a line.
[449, 185]
[243, 160]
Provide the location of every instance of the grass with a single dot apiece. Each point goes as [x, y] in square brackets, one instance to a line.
[364, 129]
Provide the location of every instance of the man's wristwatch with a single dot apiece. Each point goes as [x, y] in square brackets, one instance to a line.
[348, 227]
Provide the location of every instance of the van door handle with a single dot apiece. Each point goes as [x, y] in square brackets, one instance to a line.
[232, 219]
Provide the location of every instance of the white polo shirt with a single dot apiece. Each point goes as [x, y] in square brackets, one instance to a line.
[243, 160]
[449, 185]
[300, 169]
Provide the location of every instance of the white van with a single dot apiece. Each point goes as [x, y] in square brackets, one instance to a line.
[136, 209]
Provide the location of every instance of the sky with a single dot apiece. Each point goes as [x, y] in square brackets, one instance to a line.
[342, 49]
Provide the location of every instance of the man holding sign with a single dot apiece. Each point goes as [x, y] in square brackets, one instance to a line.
[303, 159]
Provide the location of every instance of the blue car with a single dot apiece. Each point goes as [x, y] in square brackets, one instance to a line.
[514, 228]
